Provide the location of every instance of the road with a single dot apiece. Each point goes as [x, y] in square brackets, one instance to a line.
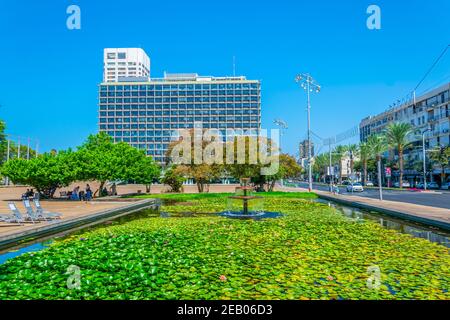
[439, 198]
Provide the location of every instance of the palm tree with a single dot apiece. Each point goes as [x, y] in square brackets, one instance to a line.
[397, 137]
[377, 145]
[364, 153]
[339, 153]
[320, 164]
[353, 151]
[441, 157]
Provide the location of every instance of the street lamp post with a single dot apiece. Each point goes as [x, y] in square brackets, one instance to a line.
[283, 126]
[424, 159]
[309, 84]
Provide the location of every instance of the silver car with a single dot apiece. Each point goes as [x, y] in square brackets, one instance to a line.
[355, 187]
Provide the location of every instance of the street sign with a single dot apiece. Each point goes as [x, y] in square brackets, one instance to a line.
[387, 172]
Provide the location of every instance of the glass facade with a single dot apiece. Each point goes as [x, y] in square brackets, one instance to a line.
[144, 114]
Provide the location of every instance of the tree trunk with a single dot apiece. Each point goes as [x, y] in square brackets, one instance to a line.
[365, 172]
[442, 176]
[147, 188]
[100, 188]
[271, 185]
[200, 186]
[400, 160]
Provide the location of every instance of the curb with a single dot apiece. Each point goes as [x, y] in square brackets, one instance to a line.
[394, 213]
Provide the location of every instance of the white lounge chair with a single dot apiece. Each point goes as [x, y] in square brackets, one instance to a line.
[15, 217]
[47, 214]
[35, 215]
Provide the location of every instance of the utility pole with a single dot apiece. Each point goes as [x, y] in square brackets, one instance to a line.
[309, 84]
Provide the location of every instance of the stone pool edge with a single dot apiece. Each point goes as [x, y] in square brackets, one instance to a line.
[390, 212]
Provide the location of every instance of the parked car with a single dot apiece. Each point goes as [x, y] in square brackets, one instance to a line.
[405, 184]
[346, 182]
[432, 185]
[446, 186]
[419, 185]
[355, 187]
[369, 184]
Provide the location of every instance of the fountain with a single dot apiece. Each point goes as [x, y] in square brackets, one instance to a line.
[243, 204]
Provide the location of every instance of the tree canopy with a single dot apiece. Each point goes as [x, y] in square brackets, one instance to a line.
[45, 173]
[99, 158]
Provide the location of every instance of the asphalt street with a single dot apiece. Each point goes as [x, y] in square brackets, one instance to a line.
[437, 198]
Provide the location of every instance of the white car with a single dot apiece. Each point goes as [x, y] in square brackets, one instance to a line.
[369, 184]
[405, 184]
[355, 187]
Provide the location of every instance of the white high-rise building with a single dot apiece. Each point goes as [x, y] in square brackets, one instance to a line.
[125, 63]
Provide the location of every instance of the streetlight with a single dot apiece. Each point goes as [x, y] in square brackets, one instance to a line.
[283, 126]
[424, 159]
[309, 84]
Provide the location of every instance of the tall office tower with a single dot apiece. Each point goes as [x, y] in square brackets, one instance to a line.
[125, 63]
[145, 113]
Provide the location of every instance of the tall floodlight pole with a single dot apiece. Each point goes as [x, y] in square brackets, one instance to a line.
[309, 84]
[424, 159]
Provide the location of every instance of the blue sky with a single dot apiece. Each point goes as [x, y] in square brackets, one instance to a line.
[49, 74]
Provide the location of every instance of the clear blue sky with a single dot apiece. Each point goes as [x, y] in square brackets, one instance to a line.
[49, 74]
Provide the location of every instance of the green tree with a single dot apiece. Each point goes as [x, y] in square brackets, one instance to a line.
[338, 154]
[45, 173]
[397, 137]
[203, 173]
[364, 153]
[3, 143]
[441, 156]
[288, 168]
[377, 146]
[353, 152]
[252, 169]
[99, 158]
[320, 164]
[174, 178]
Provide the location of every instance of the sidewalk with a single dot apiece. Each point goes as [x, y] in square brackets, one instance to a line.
[437, 217]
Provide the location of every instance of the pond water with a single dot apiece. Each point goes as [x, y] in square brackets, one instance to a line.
[403, 226]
